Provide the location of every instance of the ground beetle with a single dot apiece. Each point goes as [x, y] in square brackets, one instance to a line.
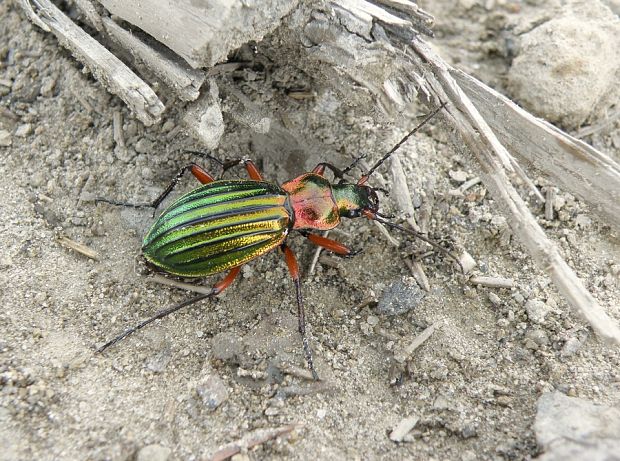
[224, 224]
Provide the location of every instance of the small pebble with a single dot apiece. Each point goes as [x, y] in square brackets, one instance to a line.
[518, 297]
[213, 392]
[468, 263]
[538, 336]
[146, 172]
[23, 130]
[143, 146]
[469, 431]
[495, 300]
[583, 221]
[536, 310]
[48, 84]
[571, 346]
[372, 320]
[131, 129]
[559, 202]
[158, 362]
[167, 126]
[458, 176]
[400, 297]
[531, 345]
[403, 428]
[441, 403]
[5, 138]
[153, 453]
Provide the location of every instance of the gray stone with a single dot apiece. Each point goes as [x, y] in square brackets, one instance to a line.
[570, 428]
[583, 221]
[567, 67]
[400, 297]
[212, 392]
[571, 346]
[143, 146]
[538, 336]
[157, 363]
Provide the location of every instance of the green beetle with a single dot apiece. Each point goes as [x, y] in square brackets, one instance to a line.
[224, 224]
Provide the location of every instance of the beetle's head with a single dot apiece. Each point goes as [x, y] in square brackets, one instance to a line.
[354, 199]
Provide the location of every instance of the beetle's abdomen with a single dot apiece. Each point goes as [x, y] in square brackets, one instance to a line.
[218, 226]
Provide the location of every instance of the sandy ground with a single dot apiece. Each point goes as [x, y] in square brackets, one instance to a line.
[217, 371]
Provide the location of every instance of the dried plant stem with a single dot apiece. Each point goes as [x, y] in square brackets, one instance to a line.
[494, 160]
[108, 69]
[251, 440]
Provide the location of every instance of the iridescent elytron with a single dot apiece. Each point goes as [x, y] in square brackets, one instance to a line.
[218, 226]
[224, 224]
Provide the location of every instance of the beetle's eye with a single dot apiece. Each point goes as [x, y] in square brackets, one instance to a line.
[351, 214]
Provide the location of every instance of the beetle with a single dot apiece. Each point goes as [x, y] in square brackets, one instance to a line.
[226, 223]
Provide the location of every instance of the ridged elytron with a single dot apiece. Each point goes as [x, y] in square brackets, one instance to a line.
[223, 224]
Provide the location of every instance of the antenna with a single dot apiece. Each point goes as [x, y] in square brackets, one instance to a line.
[379, 218]
[365, 177]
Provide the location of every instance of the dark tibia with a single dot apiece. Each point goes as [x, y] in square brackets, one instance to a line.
[293, 268]
[217, 289]
[199, 172]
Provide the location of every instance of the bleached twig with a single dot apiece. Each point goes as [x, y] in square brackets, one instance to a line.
[175, 283]
[417, 342]
[251, 440]
[184, 81]
[491, 157]
[104, 65]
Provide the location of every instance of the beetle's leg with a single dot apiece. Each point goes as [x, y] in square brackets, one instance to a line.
[249, 165]
[252, 170]
[293, 268]
[226, 281]
[228, 164]
[207, 156]
[217, 289]
[199, 172]
[330, 244]
[320, 170]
